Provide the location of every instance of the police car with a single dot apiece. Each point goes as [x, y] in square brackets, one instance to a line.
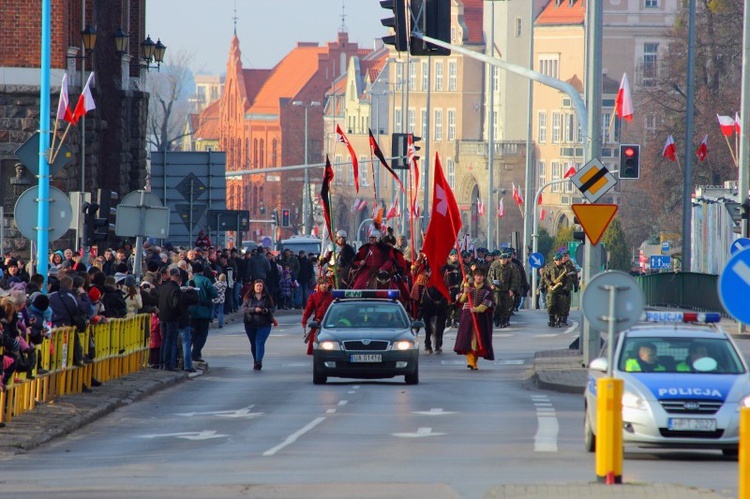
[366, 334]
[684, 384]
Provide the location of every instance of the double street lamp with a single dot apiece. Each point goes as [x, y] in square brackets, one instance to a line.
[306, 192]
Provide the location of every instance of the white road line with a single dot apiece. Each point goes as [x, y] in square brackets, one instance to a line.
[548, 426]
[331, 411]
[294, 436]
[343, 402]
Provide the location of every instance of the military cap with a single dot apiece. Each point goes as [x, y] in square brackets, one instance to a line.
[557, 256]
[504, 254]
[453, 252]
[495, 253]
[566, 253]
[465, 253]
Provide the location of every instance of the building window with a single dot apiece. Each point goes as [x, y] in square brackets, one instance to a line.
[255, 153]
[453, 34]
[570, 129]
[262, 153]
[274, 152]
[650, 60]
[451, 173]
[425, 67]
[541, 169]
[495, 79]
[438, 125]
[495, 120]
[549, 65]
[363, 166]
[399, 76]
[451, 124]
[541, 132]
[569, 187]
[397, 119]
[337, 168]
[413, 75]
[651, 4]
[651, 121]
[452, 76]
[519, 25]
[439, 76]
[424, 122]
[556, 175]
[556, 128]
[412, 116]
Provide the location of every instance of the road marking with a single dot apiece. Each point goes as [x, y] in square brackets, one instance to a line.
[189, 435]
[742, 270]
[545, 335]
[294, 436]
[548, 426]
[239, 413]
[331, 411]
[433, 412]
[343, 402]
[421, 432]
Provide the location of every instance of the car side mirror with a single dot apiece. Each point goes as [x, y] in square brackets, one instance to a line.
[599, 364]
[314, 324]
[417, 325]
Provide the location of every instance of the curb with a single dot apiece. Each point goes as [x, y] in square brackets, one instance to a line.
[556, 387]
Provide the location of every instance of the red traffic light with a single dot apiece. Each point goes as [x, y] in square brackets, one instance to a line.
[629, 152]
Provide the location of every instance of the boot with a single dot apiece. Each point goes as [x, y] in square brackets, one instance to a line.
[552, 321]
[564, 321]
[471, 361]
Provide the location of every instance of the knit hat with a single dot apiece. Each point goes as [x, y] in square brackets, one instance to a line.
[39, 301]
[94, 294]
[130, 281]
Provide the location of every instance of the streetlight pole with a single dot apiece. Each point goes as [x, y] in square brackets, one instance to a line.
[306, 192]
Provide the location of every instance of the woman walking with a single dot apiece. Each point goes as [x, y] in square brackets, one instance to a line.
[257, 310]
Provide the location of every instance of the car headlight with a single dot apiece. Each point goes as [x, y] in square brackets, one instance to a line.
[633, 401]
[329, 345]
[744, 402]
[402, 345]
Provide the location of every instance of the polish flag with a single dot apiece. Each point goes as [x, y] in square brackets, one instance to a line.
[85, 101]
[570, 172]
[480, 207]
[539, 200]
[500, 209]
[542, 214]
[737, 126]
[669, 149]
[517, 196]
[702, 151]
[623, 102]
[393, 210]
[727, 125]
[63, 107]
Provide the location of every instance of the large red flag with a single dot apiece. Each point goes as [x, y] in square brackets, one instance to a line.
[379, 154]
[445, 222]
[355, 163]
[324, 195]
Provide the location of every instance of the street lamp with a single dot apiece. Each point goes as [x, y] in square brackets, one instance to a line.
[306, 193]
[151, 51]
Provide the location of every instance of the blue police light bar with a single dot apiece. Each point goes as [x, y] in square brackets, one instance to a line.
[391, 294]
[703, 317]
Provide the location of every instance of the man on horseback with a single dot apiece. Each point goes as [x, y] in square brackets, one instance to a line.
[378, 265]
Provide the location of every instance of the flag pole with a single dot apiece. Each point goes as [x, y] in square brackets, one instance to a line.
[612, 121]
[59, 146]
[54, 137]
[471, 305]
[734, 158]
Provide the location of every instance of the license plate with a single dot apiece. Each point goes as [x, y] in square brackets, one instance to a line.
[366, 357]
[686, 424]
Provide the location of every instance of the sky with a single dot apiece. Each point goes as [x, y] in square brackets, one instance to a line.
[267, 29]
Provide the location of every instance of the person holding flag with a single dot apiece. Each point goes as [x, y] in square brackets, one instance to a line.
[474, 338]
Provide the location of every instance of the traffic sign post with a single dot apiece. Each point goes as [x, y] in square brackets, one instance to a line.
[734, 286]
[536, 260]
[660, 262]
[594, 180]
[141, 214]
[594, 219]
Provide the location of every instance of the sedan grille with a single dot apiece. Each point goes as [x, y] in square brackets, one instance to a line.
[690, 434]
[366, 345]
[689, 406]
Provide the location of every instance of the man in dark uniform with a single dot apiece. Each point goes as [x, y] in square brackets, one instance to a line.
[452, 277]
[558, 284]
[573, 273]
[524, 283]
[505, 283]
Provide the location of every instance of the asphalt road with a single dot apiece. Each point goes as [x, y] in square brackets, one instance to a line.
[236, 432]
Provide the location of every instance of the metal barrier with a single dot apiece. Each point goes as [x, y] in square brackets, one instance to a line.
[119, 347]
[683, 290]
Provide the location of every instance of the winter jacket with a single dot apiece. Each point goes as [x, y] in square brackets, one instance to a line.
[206, 293]
[257, 319]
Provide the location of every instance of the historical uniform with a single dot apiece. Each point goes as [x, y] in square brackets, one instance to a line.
[452, 277]
[474, 338]
[504, 280]
[557, 282]
[379, 265]
[315, 308]
[342, 262]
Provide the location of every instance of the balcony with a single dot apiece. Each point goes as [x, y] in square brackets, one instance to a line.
[502, 148]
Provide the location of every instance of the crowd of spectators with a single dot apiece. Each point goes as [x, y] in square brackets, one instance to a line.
[183, 289]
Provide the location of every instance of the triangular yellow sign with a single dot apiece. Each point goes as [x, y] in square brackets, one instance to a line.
[594, 218]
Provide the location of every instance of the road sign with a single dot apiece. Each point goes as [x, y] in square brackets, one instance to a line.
[594, 180]
[660, 262]
[628, 305]
[155, 221]
[141, 198]
[665, 247]
[738, 245]
[27, 215]
[734, 286]
[28, 153]
[594, 219]
[536, 260]
[580, 257]
[228, 220]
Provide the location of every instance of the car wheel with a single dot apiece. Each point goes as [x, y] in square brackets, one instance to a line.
[731, 452]
[413, 378]
[319, 379]
[589, 439]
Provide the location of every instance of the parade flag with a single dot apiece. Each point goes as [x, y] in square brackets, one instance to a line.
[727, 125]
[445, 222]
[393, 210]
[85, 101]
[669, 149]
[324, 194]
[737, 126]
[63, 107]
[480, 207]
[379, 154]
[702, 151]
[500, 209]
[517, 196]
[359, 204]
[623, 102]
[352, 155]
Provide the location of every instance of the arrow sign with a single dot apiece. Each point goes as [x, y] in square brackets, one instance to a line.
[738, 245]
[594, 218]
[422, 432]
[734, 286]
[536, 260]
[433, 412]
[240, 413]
[189, 435]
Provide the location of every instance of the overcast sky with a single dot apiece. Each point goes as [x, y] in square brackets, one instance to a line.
[267, 29]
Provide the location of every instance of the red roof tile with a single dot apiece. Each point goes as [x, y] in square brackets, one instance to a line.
[208, 123]
[473, 20]
[254, 80]
[562, 12]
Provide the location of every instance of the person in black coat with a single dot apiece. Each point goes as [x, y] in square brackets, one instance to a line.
[113, 299]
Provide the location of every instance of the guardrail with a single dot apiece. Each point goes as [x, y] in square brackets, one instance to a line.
[120, 347]
[684, 290]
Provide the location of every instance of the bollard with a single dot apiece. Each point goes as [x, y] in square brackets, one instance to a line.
[744, 455]
[609, 430]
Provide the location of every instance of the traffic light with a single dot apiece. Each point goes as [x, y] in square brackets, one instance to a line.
[95, 229]
[274, 217]
[399, 150]
[398, 22]
[285, 218]
[431, 18]
[630, 161]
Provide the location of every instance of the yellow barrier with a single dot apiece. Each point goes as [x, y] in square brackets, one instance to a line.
[744, 456]
[609, 452]
[119, 347]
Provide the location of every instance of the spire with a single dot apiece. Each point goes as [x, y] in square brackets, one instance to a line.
[342, 28]
[235, 18]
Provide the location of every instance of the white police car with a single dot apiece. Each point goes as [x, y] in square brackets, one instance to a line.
[684, 384]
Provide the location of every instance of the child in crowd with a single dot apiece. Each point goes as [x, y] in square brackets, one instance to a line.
[221, 290]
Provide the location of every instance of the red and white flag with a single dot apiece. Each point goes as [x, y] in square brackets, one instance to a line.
[539, 200]
[445, 222]
[359, 204]
[517, 196]
[393, 210]
[500, 209]
[727, 125]
[352, 155]
[737, 126]
[542, 214]
[85, 101]
[63, 107]
[702, 151]
[623, 102]
[480, 207]
[413, 159]
[669, 149]
[570, 172]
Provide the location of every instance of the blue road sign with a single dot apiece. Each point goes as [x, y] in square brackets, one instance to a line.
[734, 286]
[660, 262]
[536, 260]
[739, 245]
[665, 247]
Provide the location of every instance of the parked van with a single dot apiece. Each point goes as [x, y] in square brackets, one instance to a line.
[308, 244]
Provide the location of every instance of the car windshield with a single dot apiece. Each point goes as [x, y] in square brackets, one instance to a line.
[358, 315]
[683, 355]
